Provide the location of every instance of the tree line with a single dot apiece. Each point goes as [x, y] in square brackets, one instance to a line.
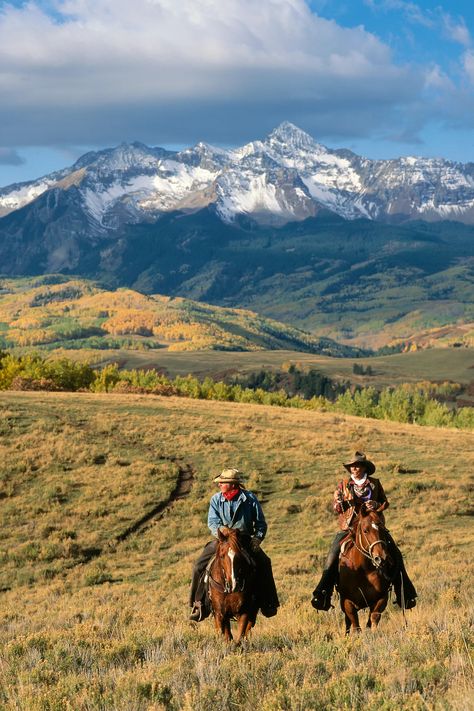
[411, 403]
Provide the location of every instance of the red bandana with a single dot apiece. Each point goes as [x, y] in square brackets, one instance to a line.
[231, 494]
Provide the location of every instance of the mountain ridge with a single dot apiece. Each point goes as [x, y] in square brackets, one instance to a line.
[286, 176]
[242, 228]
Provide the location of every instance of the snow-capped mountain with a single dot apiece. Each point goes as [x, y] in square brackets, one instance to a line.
[286, 177]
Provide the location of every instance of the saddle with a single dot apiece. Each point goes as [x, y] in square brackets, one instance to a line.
[346, 543]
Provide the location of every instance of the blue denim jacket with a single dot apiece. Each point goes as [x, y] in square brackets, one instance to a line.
[244, 512]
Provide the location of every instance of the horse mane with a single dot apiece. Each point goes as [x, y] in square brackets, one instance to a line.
[232, 537]
[373, 513]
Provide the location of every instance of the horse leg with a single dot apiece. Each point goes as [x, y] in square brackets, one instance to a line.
[223, 626]
[352, 618]
[226, 629]
[376, 612]
[242, 627]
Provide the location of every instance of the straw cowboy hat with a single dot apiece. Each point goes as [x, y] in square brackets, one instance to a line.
[360, 458]
[229, 476]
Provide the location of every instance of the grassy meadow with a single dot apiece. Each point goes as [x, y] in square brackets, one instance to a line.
[94, 573]
[433, 364]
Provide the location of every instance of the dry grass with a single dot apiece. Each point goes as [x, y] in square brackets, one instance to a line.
[112, 633]
[435, 365]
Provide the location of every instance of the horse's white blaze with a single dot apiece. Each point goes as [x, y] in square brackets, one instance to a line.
[231, 555]
[374, 525]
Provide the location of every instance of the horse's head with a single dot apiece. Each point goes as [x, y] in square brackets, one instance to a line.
[233, 561]
[372, 536]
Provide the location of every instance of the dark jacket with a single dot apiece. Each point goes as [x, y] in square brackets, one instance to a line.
[347, 503]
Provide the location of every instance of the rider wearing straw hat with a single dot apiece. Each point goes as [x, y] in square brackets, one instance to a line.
[360, 488]
[233, 506]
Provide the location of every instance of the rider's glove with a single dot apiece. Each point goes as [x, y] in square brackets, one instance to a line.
[255, 544]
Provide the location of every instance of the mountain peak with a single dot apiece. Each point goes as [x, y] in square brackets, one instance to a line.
[288, 131]
[289, 134]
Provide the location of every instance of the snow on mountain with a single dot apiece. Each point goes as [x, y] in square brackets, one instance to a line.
[272, 196]
[166, 188]
[16, 196]
[286, 176]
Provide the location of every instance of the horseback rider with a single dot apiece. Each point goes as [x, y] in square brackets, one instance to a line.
[349, 496]
[233, 506]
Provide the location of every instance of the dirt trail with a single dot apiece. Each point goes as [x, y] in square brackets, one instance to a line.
[182, 489]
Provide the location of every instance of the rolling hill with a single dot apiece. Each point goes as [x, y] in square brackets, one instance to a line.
[54, 312]
[104, 502]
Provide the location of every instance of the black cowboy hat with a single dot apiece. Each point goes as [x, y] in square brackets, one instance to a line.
[360, 458]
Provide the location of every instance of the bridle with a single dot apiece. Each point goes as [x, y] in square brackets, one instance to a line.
[235, 584]
[367, 549]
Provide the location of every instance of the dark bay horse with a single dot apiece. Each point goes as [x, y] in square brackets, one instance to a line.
[232, 586]
[365, 569]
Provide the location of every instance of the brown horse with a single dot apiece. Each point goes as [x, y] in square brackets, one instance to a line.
[365, 567]
[232, 586]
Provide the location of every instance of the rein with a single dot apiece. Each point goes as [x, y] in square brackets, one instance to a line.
[226, 588]
[367, 552]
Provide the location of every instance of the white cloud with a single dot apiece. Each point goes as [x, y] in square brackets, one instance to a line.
[469, 65]
[109, 49]
[411, 10]
[107, 62]
[438, 80]
[435, 19]
[456, 30]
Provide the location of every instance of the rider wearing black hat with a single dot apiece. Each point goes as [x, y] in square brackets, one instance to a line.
[360, 488]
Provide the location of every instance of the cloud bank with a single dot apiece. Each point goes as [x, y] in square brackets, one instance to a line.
[174, 71]
[8, 156]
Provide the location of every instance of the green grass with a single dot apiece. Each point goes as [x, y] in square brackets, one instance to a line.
[112, 633]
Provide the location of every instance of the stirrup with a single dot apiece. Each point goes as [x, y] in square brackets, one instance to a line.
[196, 612]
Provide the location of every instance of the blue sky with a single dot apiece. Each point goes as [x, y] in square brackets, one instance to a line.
[382, 77]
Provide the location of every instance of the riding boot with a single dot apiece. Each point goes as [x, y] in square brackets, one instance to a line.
[198, 598]
[322, 594]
